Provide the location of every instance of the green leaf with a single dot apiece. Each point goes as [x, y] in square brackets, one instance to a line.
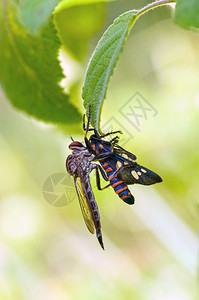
[69, 3]
[33, 14]
[103, 62]
[187, 14]
[30, 70]
[84, 19]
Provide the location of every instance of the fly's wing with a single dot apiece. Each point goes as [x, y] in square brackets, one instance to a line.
[85, 208]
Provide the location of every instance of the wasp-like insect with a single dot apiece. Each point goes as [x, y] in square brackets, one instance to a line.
[79, 165]
[119, 164]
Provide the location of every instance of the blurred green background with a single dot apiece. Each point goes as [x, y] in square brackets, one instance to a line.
[151, 248]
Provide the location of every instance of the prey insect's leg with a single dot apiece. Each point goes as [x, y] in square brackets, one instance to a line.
[112, 132]
[115, 140]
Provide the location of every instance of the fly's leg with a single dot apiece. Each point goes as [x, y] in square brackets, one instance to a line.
[104, 176]
[102, 172]
[116, 173]
[85, 127]
[98, 169]
[98, 180]
[102, 155]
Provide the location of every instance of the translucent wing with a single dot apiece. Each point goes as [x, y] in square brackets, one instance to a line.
[85, 208]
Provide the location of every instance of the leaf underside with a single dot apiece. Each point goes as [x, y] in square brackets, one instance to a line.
[103, 62]
[30, 70]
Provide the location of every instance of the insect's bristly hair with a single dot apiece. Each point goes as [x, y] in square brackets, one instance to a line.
[72, 138]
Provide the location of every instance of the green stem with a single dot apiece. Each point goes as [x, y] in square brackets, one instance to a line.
[154, 5]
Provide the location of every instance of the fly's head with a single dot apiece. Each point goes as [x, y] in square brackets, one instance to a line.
[77, 146]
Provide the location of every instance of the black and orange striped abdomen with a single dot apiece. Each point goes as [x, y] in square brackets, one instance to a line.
[120, 188]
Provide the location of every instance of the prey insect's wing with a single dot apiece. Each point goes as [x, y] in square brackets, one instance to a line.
[123, 155]
[85, 208]
[143, 175]
[132, 174]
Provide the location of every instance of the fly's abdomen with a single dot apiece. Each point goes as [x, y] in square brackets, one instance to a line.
[119, 186]
[94, 209]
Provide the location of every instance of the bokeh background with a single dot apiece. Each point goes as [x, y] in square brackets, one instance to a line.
[151, 248]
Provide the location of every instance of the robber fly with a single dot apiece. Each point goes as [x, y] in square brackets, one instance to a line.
[79, 165]
[120, 165]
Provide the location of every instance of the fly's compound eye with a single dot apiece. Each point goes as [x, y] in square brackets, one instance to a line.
[76, 145]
